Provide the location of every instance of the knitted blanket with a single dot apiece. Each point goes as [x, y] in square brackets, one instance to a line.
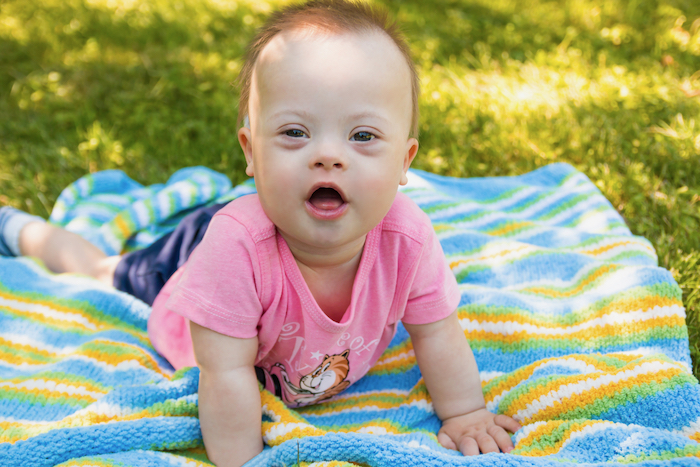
[578, 334]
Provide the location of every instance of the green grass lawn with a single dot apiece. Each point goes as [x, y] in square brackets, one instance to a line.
[611, 87]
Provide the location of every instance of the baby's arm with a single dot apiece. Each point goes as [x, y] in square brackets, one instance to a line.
[229, 398]
[452, 378]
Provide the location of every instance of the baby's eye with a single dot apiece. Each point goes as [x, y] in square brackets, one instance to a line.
[362, 136]
[295, 133]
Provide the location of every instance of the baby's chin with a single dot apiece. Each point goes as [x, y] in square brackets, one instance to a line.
[324, 240]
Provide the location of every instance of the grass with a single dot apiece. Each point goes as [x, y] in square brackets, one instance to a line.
[610, 86]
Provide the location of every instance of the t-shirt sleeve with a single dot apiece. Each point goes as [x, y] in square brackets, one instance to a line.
[218, 287]
[434, 293]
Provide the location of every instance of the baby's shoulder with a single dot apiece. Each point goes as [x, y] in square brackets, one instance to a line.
[248, 213]
[407, 218]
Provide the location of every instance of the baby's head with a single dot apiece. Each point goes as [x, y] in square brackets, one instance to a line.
[327, 17]
[329, 95]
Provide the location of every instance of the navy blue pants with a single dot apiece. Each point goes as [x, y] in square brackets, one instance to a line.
[143, 273]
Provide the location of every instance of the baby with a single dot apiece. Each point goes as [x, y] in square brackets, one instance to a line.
[301, 286]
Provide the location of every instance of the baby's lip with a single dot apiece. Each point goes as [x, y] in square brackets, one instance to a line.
[326, 185]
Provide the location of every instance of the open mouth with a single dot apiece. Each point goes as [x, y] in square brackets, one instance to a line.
[326, 199]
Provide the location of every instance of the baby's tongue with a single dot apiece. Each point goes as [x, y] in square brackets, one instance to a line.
[326, 199]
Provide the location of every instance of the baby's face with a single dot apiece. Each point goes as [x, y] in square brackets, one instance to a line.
[328, 141]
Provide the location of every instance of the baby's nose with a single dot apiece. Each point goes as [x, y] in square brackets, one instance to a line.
[328, 164]
[329, 159]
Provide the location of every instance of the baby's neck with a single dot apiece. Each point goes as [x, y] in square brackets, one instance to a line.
[330, 275]
[325, 259]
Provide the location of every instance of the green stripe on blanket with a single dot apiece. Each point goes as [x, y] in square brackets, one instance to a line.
[577, 332]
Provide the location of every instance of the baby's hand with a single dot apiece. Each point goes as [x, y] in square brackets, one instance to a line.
[478, 431]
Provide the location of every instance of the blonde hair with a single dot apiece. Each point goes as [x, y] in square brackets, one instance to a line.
[331, 16]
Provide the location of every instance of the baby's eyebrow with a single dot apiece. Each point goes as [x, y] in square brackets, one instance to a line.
[368, 114]
[299, 113]
[304, 115]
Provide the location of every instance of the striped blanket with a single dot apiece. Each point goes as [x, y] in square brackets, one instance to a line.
[577, 333]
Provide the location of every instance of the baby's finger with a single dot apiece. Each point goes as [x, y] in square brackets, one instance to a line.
[445, 441]
[468, 446]
[506, 422]
[502, 438]
[487, 444]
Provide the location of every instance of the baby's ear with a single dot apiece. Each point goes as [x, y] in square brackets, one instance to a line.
[409, 155]
[246, 142]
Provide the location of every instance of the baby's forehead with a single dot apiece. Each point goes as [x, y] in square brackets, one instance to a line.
[299, 67]
[287, 41]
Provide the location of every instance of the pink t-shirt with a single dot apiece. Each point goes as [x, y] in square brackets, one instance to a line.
[242, 281]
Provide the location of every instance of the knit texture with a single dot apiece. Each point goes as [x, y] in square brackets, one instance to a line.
[577, 333]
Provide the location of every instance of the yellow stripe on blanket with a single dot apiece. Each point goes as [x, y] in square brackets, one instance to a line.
[546, 438]
[506, 336]
[651, 303]
[61, 317]
[514, 250]
[103, 351]
[605, 248]
[95, 414]
[552, 429]
[553, 400]
[584, 283]
[505, 383]
[49, 313]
